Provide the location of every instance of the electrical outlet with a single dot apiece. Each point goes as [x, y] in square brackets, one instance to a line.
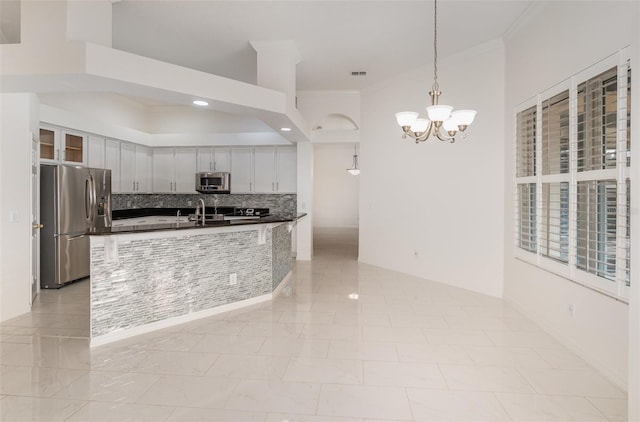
[572, 309]
[189, 203]
[233, 279]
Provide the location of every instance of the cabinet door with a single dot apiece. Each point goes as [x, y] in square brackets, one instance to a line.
[127, 167]
[74, 147]
[185, 170]
[286, 170]
[204, 160]
[142, 169]
[49, 143]
[112, 162]
[264, 176]
[241, 170]
[163, 169]
[222, 159]
[95, 152]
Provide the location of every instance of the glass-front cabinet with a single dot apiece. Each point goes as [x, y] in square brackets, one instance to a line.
[49, 143]
[62, 146]
[74, 147]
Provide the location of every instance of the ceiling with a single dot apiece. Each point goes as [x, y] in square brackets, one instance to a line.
[383, 38]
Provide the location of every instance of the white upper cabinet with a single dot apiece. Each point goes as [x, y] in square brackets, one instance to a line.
[275, 170]
[264, 170]
[222, 159]
[286, 170]
[96, 152]
[213, 159]
[134, 168]
[143, 169]
[204, 160]
[112, 162]
[163, 170]
[185, 170]
[127, 168]
[241, 170]
[174, 170]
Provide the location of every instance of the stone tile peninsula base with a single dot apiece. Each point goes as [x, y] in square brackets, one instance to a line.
[141, 282]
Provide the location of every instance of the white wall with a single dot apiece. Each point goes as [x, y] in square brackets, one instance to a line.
[536, 60]
[304, 227]
[18, 124]
[435, 210]
[314, 105]
[335, 192]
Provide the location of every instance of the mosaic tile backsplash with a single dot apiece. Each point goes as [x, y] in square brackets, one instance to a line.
[280, 204]
[156, 279]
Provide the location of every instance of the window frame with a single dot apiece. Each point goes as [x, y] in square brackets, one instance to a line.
[621, 174]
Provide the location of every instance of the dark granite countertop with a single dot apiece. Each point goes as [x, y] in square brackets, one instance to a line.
[191, 225]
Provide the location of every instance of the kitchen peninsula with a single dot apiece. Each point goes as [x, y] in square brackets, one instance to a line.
[149, 277]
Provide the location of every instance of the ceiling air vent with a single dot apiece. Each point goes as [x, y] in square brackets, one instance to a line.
[359, 73]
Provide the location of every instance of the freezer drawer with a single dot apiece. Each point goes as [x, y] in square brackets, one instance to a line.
[72, 257]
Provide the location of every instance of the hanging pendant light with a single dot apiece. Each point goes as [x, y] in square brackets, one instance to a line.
[442, 122]
[354, 170]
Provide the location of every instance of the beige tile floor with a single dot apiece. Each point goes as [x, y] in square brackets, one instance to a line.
[345, 342]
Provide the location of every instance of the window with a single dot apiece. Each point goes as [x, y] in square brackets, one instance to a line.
[572, 187]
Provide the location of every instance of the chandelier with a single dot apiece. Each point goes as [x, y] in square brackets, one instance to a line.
[354, 170]
[442, 122]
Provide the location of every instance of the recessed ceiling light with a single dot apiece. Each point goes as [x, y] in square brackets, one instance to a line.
[200, 103]
[285, 129]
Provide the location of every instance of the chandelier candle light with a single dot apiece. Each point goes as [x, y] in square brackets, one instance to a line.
[443, 122]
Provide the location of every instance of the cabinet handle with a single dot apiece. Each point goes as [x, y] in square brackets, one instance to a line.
[250, 187]
[137, 187]
[273, 186]
[133, 188]
[277, 187]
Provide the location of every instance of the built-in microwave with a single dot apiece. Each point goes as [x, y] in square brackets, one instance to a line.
[213, 182]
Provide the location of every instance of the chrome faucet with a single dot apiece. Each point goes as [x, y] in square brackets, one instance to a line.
[198, 210]
[178, 216]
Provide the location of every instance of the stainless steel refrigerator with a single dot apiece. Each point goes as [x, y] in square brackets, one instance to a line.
[73, 200]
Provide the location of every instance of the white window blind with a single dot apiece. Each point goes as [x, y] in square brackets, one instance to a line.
[527, 222]
[526, 143]
[572, 188]
[554, 230]
[555, 134]
[597, 122]
[596, 228]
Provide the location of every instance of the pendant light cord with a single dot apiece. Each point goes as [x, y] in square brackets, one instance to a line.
[436, 86]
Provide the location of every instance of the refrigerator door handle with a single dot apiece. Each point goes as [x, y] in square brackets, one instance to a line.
[87, 199]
